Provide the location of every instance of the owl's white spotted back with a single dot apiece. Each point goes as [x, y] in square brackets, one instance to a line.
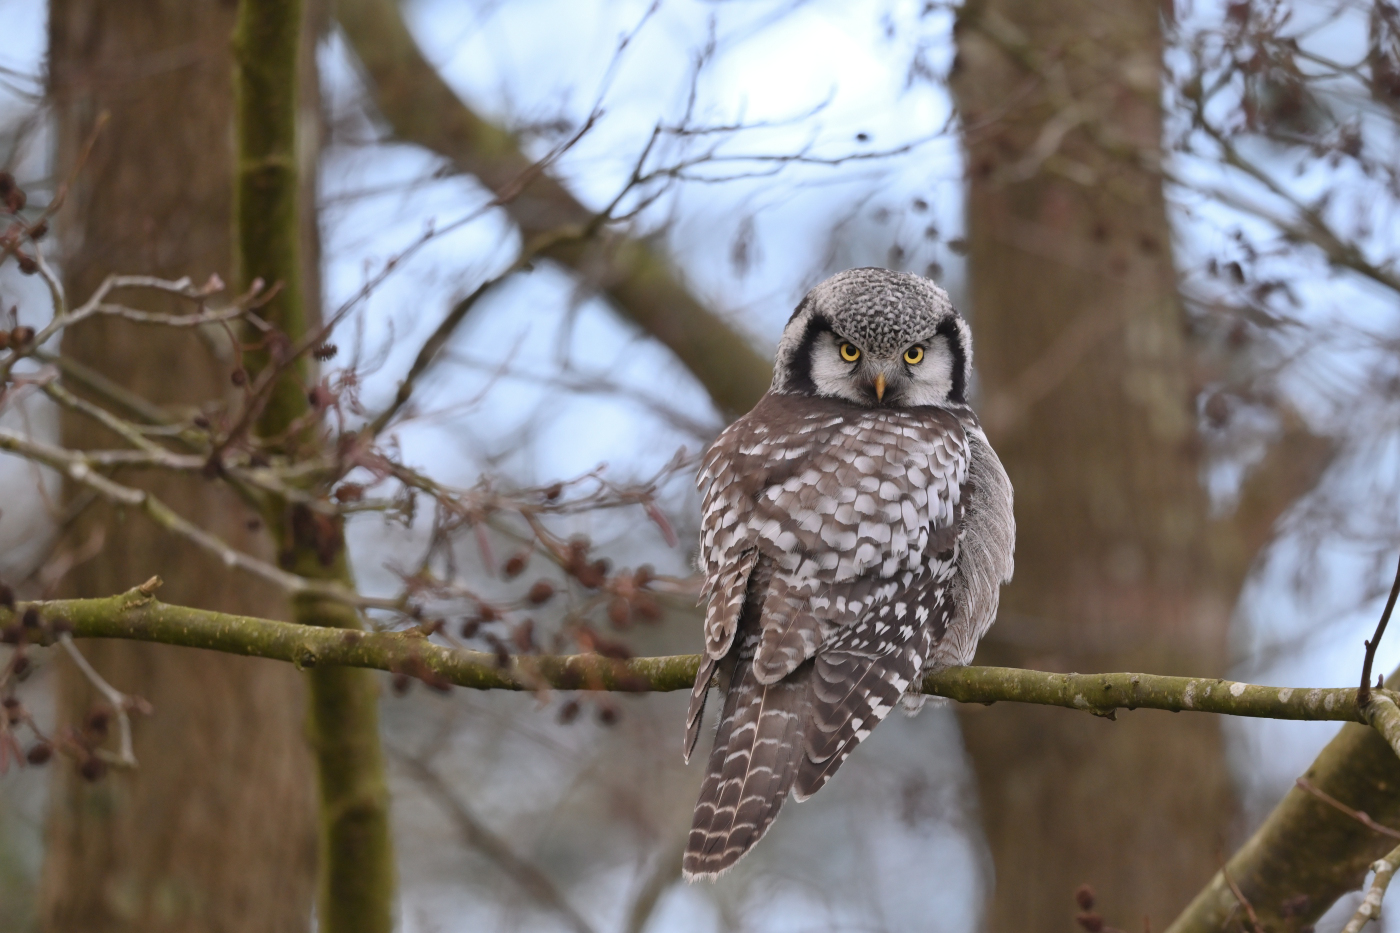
[856, 530]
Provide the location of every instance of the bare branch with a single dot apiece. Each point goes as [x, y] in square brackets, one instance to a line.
[103, 417]
[1382, 713]
[1243, 901]
[97, 304]
[422, 109]
[1370, 908]
[119, 702]
[100, 385]
[428, 352]
[1359, 815]
[84, 470]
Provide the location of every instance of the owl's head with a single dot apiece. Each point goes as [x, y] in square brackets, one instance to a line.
[876, 338]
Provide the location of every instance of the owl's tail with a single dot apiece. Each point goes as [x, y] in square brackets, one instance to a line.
[756, 755]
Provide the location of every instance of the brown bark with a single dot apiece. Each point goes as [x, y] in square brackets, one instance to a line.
[1086, 370]
[214, 831]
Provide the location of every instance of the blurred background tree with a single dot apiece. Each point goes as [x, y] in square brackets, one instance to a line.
[1168, 225]
[225, 779]
[1089, 373]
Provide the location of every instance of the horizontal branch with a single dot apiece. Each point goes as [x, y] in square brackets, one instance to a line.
[136, 615]
[1103, 694]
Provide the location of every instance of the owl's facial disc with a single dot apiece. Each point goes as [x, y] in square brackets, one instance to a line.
[919, 374]
[930, 368]
[876, 338]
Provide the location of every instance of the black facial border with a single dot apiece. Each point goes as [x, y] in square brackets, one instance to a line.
[948, 330]
[800, 376]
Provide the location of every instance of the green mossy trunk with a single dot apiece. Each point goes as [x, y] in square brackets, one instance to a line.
[357, 860]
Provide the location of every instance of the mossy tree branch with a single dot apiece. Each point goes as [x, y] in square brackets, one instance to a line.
[1370, 908]
[138, 616]
[1308, 853]
[357, 862]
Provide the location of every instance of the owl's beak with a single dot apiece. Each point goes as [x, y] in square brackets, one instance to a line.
[880, 387]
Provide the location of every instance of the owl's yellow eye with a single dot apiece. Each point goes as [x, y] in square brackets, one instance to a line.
[849, 353]
[914, 355]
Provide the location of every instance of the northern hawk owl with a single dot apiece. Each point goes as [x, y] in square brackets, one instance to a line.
[856, 531]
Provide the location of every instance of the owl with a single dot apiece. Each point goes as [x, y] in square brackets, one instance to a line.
[857, 528]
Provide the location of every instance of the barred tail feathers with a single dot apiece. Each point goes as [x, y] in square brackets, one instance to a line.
[756, 754]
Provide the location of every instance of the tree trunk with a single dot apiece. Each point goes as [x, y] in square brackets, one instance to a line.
[1086, 382]
[357, 859]
[215, 830]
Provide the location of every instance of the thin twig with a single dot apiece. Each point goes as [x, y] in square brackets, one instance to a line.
[102, 416]
[1359, 815]
[61, 193]
[99, 384]
[81, 469]
[97, 304]
[1244, 901]
[427, 354]
[120, 702]
[1363, 693]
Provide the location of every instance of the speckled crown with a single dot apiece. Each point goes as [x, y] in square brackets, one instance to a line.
[881, 310]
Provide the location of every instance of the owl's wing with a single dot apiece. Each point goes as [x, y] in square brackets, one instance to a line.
[864, 671]
[865, 667]
[986, 553]
[890, 627]
[727, 600]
